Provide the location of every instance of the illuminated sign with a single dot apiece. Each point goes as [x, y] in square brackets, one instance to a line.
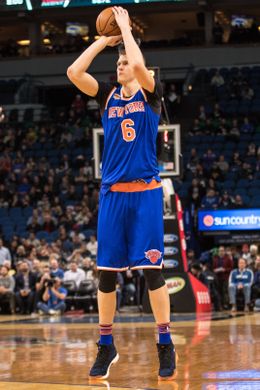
[29, 5]
[175, 284]
[225, 220]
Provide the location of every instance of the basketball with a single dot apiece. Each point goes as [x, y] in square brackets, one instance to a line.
[106, 23]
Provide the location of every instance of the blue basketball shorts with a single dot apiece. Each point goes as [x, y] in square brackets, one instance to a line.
[130, 227]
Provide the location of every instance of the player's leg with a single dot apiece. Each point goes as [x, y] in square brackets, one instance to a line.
[111, 253]
[160, 303]
[107, 353]
[146, 252]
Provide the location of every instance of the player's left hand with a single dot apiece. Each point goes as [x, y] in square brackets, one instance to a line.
[122, 17]
[113, 40]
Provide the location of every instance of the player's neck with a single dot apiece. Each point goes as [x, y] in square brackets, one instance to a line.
[130, 89]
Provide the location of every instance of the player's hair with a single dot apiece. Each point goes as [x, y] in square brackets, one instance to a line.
[121, 47]
[122, 51]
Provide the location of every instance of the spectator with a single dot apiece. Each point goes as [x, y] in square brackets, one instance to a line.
[193, 161]
[75, 273]
[222, 266]
[217, 80]
[222, 164]
[196, 271]
[246, 127]
[25, 288]
[210, 201]
[55, 271]
[53, 298]
[234, 132]
[210, 280]
[4, 253]
[238, 202]
[39, 286]
[92, 245]
[241, 279]
[7, 285]
[247, 93]
[256, 284]
[226, 201]
[253, 253]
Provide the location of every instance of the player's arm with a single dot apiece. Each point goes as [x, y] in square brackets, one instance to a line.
[133, 53]
[77, 71]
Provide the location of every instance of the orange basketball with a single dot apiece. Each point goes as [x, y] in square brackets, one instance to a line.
[106, 23]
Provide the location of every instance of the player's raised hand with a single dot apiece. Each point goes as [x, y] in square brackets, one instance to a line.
[122, 17]
[114, 41]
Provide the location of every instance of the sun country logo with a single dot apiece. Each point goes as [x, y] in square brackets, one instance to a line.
[208, 220]
[153, 255]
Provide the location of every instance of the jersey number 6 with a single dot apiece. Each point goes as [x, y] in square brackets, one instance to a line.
[128, 131]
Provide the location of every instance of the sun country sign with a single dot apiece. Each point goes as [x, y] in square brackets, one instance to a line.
[219, 220]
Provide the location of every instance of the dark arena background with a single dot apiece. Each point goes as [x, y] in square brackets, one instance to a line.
[207, 55]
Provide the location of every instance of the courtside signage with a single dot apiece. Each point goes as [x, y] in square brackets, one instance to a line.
[224, 220]
[175, 284]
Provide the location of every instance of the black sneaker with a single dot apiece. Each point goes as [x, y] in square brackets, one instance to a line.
[107, 355]
[167, 358]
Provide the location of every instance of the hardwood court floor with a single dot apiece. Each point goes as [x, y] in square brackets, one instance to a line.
[221, 354]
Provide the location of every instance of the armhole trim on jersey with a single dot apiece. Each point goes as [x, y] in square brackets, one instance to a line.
[109, 97]
[144, 94]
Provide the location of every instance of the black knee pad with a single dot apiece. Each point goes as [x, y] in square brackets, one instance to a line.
[107, 281]
[154, 278]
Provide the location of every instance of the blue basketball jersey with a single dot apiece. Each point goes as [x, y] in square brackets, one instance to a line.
[130, 131]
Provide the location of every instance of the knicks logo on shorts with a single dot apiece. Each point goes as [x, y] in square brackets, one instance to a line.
[153, 255]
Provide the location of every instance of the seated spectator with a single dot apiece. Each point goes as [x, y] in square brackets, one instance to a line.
[74, 273]
[208, 159]
[7, 285]
[241, 279]
[25, 282]
[217, 80]
[222, 164]
[210, 201]
[202, 113]
[4, 253]
[55, 270]
[226, 201]
[196, 128]
[246, 127]
[92, 246]
[238, 202]
[251, 150]
[193, 161]
[247, 93]
[49, 223]
[53, 299]
[246, 171]
[78, 106]
[256, 283]
[253, 254]
[234, 133]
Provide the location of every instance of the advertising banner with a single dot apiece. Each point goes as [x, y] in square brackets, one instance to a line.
[226, 220]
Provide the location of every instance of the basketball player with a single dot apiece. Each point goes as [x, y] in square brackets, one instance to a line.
[130, 224]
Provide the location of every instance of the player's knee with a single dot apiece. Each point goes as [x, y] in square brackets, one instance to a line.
[107, 281]
[154, 278]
